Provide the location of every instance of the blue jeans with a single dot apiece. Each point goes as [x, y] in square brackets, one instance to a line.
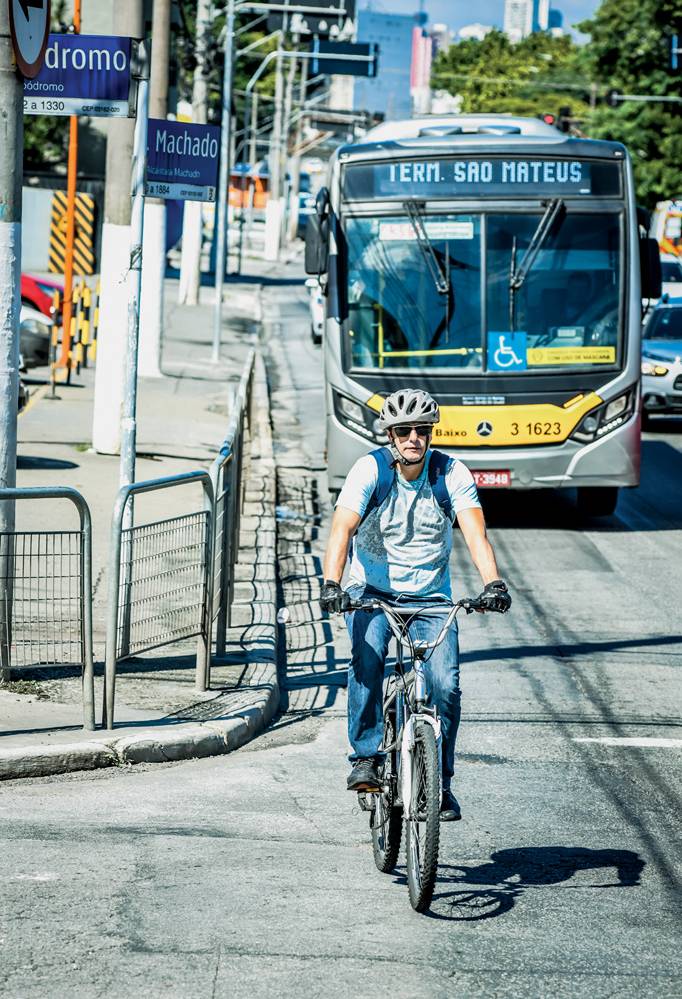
[370, 635]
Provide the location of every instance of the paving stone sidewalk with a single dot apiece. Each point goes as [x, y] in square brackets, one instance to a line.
[182, 421]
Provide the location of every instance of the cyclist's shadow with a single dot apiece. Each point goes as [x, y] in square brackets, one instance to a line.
[469, 894]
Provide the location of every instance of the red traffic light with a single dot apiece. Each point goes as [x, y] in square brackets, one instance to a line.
[549, 119]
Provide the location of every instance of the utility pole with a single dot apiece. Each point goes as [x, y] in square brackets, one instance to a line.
[224, 181]
[71, 182]
[154, 256]
[128, 21]
[190, 264]
[273, 208]
[11, 174]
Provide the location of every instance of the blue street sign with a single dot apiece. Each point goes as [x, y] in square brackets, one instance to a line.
[83, 75]
[507, 351]
[182, 160]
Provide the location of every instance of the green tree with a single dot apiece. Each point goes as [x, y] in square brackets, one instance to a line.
[629, 51]
[535, 76]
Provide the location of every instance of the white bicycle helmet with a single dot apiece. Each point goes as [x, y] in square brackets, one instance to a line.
[411, 406]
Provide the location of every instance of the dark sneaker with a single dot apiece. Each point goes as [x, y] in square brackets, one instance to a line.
[364, 777]
[449, 807]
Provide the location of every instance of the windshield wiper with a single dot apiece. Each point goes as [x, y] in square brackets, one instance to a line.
[555, 211]
[440, 278]
[553, 216]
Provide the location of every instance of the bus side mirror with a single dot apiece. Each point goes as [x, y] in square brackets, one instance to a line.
[650, 267]
[316, 245]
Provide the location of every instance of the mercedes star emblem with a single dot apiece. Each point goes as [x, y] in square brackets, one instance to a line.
[484, 429]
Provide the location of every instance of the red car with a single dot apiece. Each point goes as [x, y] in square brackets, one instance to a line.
[39, 293]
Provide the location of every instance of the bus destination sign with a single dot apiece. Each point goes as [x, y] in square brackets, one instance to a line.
[456, 178]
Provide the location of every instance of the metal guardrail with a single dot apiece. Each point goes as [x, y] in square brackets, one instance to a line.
[228, 483]
[160, 581]
[46, 615]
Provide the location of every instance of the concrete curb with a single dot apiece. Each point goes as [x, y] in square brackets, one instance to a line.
[254, 607]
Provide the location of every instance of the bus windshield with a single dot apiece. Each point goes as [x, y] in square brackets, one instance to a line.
[563, 314]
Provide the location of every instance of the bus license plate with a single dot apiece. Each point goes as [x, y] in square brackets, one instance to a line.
[492, 480]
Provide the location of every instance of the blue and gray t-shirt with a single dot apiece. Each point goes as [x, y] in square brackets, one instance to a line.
[404, 545]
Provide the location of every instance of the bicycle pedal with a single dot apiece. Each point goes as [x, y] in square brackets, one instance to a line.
[365, 803]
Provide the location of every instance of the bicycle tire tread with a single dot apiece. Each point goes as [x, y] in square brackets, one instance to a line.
[422, 893]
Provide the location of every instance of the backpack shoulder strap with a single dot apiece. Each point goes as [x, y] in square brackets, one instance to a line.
[438, 466]
[385, 467]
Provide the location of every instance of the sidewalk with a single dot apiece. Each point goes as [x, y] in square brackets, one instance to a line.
[182, 420]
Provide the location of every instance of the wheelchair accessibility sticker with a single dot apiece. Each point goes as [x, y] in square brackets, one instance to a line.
[507, 351]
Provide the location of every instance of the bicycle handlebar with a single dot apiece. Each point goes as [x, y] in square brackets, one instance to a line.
[396, 614]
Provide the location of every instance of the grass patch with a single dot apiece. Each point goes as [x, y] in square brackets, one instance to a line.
[25, 687]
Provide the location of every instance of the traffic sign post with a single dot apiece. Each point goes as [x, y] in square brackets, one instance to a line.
[29, 22]
[182, 161]
[345, 58]
[86, 75]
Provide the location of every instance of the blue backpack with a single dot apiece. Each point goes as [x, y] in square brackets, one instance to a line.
[438, 464]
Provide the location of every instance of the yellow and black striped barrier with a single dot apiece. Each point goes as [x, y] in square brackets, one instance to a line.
[84, 240]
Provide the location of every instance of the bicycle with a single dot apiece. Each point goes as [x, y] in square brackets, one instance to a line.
[411, 793]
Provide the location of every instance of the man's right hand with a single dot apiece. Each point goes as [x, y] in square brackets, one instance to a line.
[333, 599]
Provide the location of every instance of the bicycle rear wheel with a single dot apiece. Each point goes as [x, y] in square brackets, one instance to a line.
[422, 824]
[386, 819]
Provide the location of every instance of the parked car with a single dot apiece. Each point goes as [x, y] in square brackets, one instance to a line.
[38, 293]
[316, 309]
[671, 274]
[35, 334]
[662, 359]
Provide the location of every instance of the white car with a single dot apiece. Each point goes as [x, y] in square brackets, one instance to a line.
[35, 334]
[662, 360]
[316, 309]
[671, 275]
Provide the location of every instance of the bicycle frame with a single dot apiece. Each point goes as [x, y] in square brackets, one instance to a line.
[410, 709]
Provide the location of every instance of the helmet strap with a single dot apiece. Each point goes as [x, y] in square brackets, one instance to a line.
[400, 459]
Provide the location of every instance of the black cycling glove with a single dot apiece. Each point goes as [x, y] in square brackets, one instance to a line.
[333, 599]
[496, 597]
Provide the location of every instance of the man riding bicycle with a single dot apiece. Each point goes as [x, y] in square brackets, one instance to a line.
[397, 506]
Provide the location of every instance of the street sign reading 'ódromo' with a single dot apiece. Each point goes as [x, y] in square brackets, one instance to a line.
[182, 160]
[29, 22]
[83, 75]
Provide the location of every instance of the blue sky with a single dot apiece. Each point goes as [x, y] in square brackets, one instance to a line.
[456, 13]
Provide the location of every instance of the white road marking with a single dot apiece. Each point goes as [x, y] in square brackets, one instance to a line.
[642, 742]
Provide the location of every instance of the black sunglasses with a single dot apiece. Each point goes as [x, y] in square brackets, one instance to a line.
[404, 432]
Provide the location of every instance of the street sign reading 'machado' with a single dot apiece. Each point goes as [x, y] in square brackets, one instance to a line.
[182, 160]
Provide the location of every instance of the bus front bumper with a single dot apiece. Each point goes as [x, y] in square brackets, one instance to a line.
[612, 460]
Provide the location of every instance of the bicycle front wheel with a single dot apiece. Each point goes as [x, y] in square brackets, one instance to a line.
[422, 823]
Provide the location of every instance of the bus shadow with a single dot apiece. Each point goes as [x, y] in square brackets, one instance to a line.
[488, 890]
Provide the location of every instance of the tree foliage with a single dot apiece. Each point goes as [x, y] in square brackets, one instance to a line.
[531, 77]
[627, 50]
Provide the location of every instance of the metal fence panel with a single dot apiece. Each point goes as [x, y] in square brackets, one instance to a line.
[46, 580]
[42, 572]
[165, 563]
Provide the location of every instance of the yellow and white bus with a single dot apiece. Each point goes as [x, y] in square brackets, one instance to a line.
[495, 262]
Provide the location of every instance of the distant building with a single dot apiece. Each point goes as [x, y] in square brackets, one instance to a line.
[442, 37]
[389, 92]
[420, 72]
[556, 22]
[523, 17]
[475, 31]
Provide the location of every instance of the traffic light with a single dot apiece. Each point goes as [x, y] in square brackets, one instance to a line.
[564, 123]
[549, 119]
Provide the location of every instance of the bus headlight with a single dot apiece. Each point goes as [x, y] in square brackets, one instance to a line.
[605, 418]
[649, 368]
[358, 418]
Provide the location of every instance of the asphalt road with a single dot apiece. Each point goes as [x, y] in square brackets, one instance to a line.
[252, 874]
